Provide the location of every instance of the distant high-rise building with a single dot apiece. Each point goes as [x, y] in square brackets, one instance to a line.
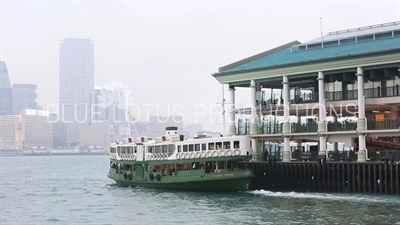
[191, 130]
[76, 83]
[4, 78]
[98, 111]
[30, 128]
[24, 97]
[103, 109]
[156, 128]
[5, 91]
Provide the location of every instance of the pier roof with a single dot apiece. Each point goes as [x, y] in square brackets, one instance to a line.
[355, 42]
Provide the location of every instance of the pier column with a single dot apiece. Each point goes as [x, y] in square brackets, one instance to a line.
[322, 113]
[361, 156]
[253, 126]
[286, 115]
[259, 107]
[232, 126]
[299, 143]
[254, 149]
[335, 144]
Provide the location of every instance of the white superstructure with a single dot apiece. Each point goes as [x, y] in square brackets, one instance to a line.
[175, 147]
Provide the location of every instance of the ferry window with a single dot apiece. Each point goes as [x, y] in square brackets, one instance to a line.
[236, 144]
[210, 146]
[151, 149]
[135, 149]
[227, 145]
[157, 149]
[197, 147]
[171, 148]
[164, 148]
[185, 148]
[219, 145]
[190, 148]
[203, 147]
[179, 148]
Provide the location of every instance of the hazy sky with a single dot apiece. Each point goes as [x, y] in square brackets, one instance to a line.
[166, 51]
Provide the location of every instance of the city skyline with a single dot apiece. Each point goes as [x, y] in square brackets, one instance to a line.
[168, 57]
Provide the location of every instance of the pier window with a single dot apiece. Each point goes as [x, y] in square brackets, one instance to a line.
[236, 144]
[227, 145]
[219, 145]
[210, 146]
[185, 148]
[191, 149]
[179, 148]
[203, 146]
[197, 147]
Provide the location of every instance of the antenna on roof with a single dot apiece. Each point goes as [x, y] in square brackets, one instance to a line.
[320, 19]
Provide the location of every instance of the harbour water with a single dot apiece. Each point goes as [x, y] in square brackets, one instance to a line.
[76, 190]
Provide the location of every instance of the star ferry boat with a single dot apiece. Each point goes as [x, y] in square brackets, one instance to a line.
[174, 162]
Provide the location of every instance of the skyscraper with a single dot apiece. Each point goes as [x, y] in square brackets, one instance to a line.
[103, 109]
[76, 83]
[5, 91]
[24, 97]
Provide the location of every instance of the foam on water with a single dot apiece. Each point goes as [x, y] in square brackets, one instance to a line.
[329, 197]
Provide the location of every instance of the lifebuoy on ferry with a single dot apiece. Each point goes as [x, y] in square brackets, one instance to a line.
[203, 154]
[191, 155]
[178, 156]
[237, 152]
[229, 153]
[208, 154]
[216, 154]
[198, 154]
[223, 153]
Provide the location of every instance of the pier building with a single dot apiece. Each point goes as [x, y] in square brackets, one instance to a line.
[347, 73]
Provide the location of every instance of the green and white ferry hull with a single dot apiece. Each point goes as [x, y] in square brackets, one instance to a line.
[179, 164]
